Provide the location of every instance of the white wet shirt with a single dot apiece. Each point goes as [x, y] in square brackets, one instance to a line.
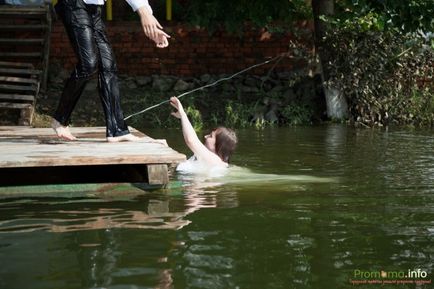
[196, 167]
[135, 4]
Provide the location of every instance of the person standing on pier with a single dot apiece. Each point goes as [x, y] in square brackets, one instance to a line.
[86, 31]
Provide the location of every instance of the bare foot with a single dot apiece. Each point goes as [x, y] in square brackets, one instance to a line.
[62, 131]
[126, 137]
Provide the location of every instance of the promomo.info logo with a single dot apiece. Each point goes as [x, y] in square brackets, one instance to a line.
[409, 276]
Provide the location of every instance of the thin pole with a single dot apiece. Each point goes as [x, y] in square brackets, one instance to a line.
[209, 85]
[109, 10]
[168, 10]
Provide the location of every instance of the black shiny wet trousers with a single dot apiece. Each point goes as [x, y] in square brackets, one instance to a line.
[86, 32]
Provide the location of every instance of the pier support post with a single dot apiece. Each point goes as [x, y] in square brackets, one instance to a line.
[158, 174]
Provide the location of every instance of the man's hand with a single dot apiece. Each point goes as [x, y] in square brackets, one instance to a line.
[152, 28]
[161, 40]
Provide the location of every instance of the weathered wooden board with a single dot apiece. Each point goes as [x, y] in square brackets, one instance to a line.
[22, 147]
[17, 97]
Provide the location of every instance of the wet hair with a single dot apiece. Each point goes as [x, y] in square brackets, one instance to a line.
[225, 143]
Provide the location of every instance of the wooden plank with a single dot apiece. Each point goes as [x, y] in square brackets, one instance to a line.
[18, 87]
[22, 9]
[19, 71]
[31, 133]
[16, 64]
[17, 41]
[18, 80]
[39, 147]
[21, 54]
[23, 14]
[28, 18]
[23, 27]
[22, 97]
[10, 11]
[15, 105]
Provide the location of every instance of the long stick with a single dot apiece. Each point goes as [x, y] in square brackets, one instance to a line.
[209, 85]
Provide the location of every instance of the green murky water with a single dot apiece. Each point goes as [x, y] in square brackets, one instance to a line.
[312, 207]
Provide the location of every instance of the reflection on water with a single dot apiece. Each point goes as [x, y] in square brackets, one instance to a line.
[301, 208]
[154, 215]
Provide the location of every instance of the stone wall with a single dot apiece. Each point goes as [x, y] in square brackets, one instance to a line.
[192, 51]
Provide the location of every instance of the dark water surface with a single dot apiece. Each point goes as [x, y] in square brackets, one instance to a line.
[346, 201]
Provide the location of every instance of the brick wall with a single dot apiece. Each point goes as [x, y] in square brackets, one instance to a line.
[191, 52]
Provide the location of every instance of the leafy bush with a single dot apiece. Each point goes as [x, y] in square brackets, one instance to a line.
[237, 114]
[232, 15]
[297, 114]
[405, 15]
[386, 75]
[195, 117]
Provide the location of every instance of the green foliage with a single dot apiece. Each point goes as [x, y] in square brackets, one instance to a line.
[387, 76]
[135, 100]
[237, 114]
[403, 15]
[421, 110]
[195, 118]
[367, 22]
[297, 114]
[232, 15]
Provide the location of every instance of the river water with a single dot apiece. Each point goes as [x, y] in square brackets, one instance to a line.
[305, 207]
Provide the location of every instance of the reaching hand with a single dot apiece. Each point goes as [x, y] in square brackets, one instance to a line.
[152, 28]
[174, 101]
[161, 39]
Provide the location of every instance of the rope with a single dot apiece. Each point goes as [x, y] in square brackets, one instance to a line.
[280, 56]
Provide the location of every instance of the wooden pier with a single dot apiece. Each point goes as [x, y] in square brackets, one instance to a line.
[34, 156]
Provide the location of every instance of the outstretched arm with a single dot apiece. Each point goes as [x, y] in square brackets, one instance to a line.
[190, 136]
